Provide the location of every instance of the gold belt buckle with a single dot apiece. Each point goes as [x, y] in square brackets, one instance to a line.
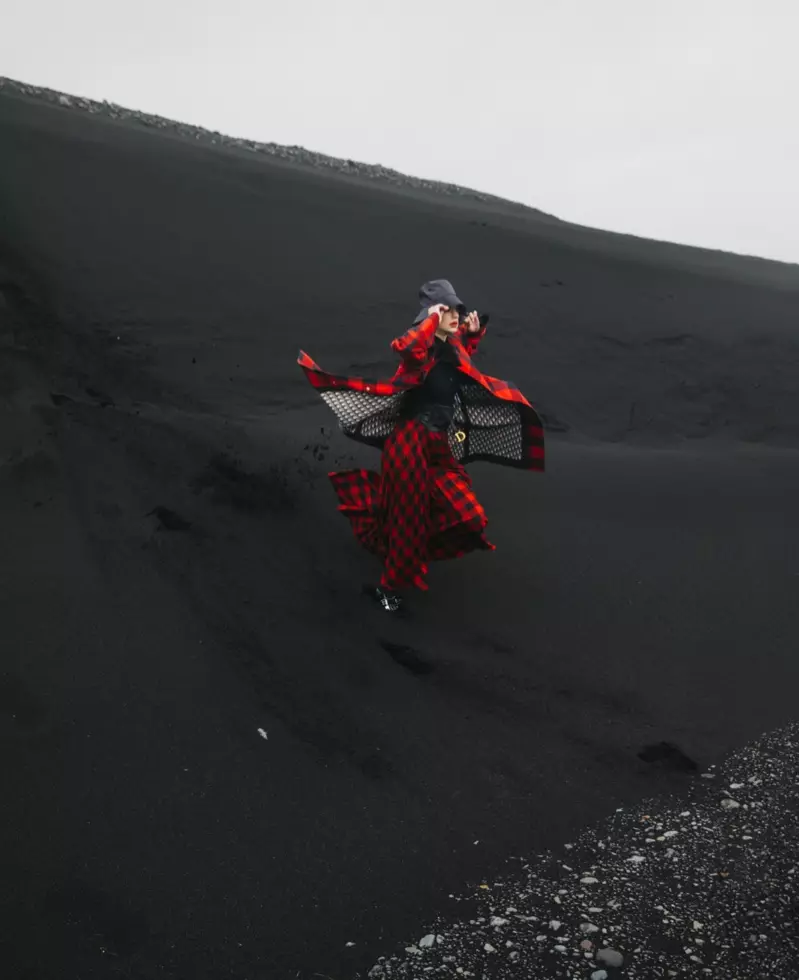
[460, 436]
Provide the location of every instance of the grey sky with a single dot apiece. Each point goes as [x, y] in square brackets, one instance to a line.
[673, 120]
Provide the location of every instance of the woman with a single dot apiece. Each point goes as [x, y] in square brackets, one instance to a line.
[435, 415]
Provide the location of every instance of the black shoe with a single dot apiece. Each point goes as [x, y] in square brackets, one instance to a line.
[389, 601]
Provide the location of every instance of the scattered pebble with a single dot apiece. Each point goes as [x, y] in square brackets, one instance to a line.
[713, 896]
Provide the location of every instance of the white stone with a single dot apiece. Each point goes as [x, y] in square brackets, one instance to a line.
[610, 957]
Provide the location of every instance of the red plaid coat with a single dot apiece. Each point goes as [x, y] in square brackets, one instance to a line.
[493, 420]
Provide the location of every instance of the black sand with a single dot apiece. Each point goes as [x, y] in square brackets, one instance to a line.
[174, 576]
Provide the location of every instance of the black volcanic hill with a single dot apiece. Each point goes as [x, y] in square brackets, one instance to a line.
[174, 576]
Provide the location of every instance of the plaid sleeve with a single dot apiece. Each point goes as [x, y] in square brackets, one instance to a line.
[471, 341]
[414, 346]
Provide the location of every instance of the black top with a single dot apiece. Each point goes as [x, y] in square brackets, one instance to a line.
[433, 402]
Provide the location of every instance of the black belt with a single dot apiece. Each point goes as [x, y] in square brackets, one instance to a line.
[438, 421]
[436, 418]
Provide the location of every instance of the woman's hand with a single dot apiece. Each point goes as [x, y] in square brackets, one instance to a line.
[472, 323]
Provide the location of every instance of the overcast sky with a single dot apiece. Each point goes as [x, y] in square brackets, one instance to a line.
[674, 120]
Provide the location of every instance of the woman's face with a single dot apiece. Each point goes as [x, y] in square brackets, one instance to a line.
[450, 320]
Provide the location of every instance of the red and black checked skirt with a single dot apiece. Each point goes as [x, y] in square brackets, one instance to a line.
[419, 508]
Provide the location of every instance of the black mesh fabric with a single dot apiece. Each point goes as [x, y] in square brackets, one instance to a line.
[493, 426]
[483, 427]
[367, 418]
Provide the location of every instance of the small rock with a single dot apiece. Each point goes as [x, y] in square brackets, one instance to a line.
[589, 929]
[497, 920]
[588, 880]
[554, 925]
[560, 949]
[610, 957]
[427, 941]
[728, 804]
[586, 944]
[489, 948]
[599, 975]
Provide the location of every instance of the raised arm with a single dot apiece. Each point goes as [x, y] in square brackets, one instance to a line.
[472, 332]
[414, 345]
